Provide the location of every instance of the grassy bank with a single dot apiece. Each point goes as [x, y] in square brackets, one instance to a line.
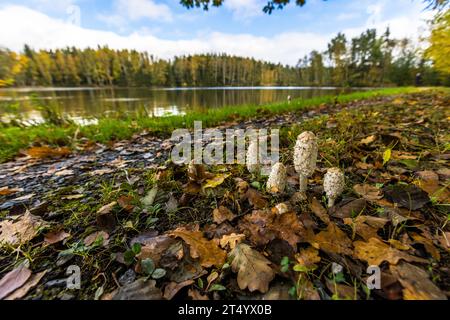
[13, 139]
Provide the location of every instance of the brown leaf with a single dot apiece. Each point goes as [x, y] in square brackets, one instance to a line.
[125, 202]
[141, 289]
[6, 191]
[349, 209]
[252, 268]
[319, 210]
[154, 248]
[55, 237]
[368, 140]
[222, 214]
[173, 288]
[14, 280]
[22, 230]
[47, 152]
[256, 199]
[308, 257]
[428, 181]
[428, 244]
[30, 284]
[208, 252]
[196, 295]
[332, 240]
[93, 237]
[366, 226]
[342, 291]
[368, 192]
[416, 283]
[288, 227]
[376, 251]
[231, 240]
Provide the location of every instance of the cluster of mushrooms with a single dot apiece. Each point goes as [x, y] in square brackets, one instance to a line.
[305, 158]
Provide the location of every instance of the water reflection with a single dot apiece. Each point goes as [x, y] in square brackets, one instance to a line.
[85, 104]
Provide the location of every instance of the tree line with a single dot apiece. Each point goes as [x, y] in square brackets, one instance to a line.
[367, 60]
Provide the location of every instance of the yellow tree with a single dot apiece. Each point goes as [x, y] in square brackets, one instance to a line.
[439, 50]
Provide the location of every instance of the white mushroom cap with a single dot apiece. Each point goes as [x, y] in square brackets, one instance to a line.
[277, 179]
[252, 160]
[333, 184]
[305, 154]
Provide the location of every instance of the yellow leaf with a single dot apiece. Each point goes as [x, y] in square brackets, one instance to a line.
[387, 156]
[216, 181]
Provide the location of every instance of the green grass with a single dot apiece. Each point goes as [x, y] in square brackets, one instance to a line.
[13, 139]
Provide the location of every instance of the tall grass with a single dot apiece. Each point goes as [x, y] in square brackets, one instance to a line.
[13, 139]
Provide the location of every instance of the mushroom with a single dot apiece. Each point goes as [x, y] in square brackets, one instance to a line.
[252, 156]
[333, 184]
[277, 179]
[305, 157]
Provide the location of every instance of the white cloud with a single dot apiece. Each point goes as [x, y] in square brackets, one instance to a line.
[27, 26]
[244, 9]
[138, 9]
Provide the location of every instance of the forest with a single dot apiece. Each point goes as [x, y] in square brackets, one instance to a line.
[370, 59]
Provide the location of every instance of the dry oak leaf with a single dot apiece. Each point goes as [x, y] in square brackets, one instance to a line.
[256, 199]
[368, 192]
[5, 191]
[416, 283]
[222, 214]
[14, 280]
[253, 269]
[155, 247]
[208, 252]
[288, 227]
[428, 181]
[107, 208]
[366, 226]
[319, 210]
[30, 284]
[376, 251]
[308, 257]
[173, 288]
[232, 240]
[332, 240]
[96, 236]
[428, 244]
[55, 237]
[22, 230]
[47, 152]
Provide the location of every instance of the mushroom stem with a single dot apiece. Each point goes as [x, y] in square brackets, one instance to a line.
[331, 202]
[303, 181]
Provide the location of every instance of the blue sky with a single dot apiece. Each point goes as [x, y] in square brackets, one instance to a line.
[165, 29]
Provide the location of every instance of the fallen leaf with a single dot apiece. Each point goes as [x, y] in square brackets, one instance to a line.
[207, 251]
[428, 244]
[319, 211]
[64, 173]
[369, 139]
[428, 181]
[253, 269]
[154, 247]
[376, 251]
[96, 236]
[256, 199]
[14, 280]
[409, 196]
[24, 289]
[348, 209]
[196, 295]
[216, 181]
[222, 214]
[399, 245]
[125, 202]
[22, 230]
[416, 283]
[366, 226]
[332, 240]
[341, 291]
[368, 192]
[308, 257]
[107, 208]
[173, 288]
[231, 240]
[6, 191]
[55, 237]
[141, 289]
[47, 152]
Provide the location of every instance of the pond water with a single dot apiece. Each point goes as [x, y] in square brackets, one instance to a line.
[82, 104]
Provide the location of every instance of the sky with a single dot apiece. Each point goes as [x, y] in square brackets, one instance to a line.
[165, 28]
